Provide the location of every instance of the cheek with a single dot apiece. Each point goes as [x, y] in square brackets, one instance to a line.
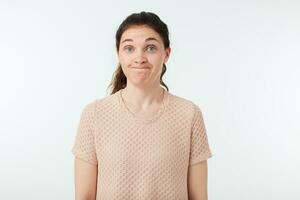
[124, 59]
[156, 60]
[121, 58]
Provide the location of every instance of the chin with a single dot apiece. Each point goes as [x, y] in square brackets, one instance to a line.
[139, 82]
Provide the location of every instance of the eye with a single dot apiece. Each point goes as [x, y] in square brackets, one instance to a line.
[128, 49]
[151, 48]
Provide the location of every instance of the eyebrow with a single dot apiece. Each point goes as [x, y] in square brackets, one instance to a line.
[148, 39]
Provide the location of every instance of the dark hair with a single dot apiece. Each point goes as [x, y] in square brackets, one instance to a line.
[151, 20]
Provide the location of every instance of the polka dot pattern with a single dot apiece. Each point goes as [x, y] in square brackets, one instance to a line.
[142, 159]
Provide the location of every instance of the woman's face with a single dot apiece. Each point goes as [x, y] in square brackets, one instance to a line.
[142, 55]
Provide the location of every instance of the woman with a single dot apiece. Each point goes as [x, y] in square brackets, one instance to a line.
[141, 141]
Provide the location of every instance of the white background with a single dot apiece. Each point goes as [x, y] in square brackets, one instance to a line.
[238, 60]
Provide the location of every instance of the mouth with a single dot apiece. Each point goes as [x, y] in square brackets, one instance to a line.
[140, 68]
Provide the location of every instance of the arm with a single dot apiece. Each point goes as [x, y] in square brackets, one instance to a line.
[85, 180]
[197, 181]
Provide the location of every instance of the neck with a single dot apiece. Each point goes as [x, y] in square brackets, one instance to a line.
[142, 98]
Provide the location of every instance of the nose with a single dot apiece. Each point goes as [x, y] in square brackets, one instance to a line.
[140, 58]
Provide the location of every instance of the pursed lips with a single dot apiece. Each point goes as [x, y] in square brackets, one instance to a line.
[140, 67]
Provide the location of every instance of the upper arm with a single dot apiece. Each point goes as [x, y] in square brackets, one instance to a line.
[197, 181]
[85, 180]
[199, 153]
[199, 145]
[85, 162]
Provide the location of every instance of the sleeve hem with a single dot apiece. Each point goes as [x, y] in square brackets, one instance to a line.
[78, 156]
[200, 159]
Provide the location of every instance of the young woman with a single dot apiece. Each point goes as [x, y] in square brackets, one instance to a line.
[141, 141]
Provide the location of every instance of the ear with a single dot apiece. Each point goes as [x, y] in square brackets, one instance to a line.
[168, 51]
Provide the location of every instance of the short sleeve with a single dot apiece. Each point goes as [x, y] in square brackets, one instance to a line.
[199, 149]
[84, 145]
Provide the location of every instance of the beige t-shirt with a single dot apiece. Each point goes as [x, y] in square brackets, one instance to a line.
[141, 159]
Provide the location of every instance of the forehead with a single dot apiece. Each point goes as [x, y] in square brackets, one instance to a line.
[140, 33]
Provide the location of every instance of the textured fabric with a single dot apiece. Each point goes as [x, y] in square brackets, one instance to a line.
[140, 158]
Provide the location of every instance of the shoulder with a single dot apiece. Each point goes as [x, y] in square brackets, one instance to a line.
[185, 105]
[101, 104]
[183, 102]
